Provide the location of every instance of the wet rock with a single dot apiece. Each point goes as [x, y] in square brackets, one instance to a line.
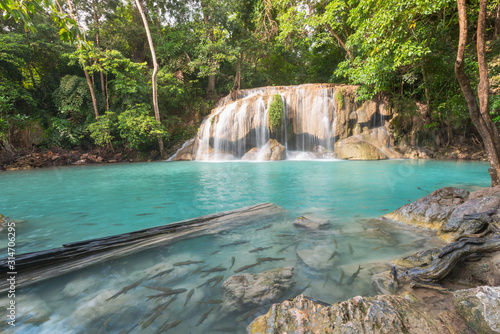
[273, 150]
[431, 211]
[384, 283]
[379, 314]
[480, 308]
[248, 291]
[482, 271]
[311, 223]
[356, 149]
[185, 153]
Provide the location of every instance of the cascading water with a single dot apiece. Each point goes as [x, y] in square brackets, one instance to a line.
[240, 123]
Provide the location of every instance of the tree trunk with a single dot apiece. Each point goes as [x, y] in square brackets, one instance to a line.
[497, 22]
[237, 77]
[155, 71]
[210, 34]
[97, 42]
[342, 44]
[479, 114]
[87, 76]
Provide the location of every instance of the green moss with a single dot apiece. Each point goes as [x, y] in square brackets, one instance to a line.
[276, 112]
[339, 97]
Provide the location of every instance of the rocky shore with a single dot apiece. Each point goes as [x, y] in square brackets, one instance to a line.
[452, 289]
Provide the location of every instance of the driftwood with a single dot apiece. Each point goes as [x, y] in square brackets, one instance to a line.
[449, 256]
[38, 266]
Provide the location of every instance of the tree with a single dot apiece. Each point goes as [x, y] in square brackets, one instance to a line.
[479, 114]
[155, 72]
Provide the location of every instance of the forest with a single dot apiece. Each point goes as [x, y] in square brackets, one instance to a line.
[82, 74]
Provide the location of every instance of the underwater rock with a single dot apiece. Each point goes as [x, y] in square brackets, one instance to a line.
[480, 307]
[79, 285]
[431, 211]
[273, 150]
[379, 314]
[248, 291]
[317, 257]
[311, 223]
[354, 148]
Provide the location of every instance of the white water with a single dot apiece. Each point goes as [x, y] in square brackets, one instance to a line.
[235, 127]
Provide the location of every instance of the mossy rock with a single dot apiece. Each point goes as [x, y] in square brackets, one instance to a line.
[359, 150]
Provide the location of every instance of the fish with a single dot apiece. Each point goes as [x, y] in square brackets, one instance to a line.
[105, 325]
[213, 270]
[163, 273]
[246, 267]
[156, 313]
[246, 315]
[333, 255]
[264, 227]
[284, 235]
[342, 274]
[384, 210]
[158, 207]
[327, 276]
[213, 253]
[168, 326]
[213, 279]
[267, 259]
[241, 242]
[357, 216]
[259, 249]
[350, 249]
[340, 230]
[125, 289]
[188, 297]
[144, 214]
[375, 248]
[335, 243]
[364, 206]
[219, 279]
[204, 316]
[284, 249]
[304, 289]
[169, 293]
[351, 279]
[232, 262]
[198, 270]
[187, 263]
[216, 301]
[88, 224]
[163, 289]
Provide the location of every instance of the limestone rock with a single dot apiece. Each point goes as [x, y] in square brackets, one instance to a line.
[311, 223]
[431, 211]
[185, 153]
[356, 149]
[379, 314]
[480, 307]
[273, 150]
[247, 291]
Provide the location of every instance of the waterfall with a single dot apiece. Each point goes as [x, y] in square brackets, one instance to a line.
[240, 123]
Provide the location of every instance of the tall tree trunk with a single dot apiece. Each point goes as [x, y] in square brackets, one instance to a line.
[497, 22]
[155, 71]
[210, 34]
[341, 42]
[237, 77]
[87, 76]
[479, 114]
[97, 42]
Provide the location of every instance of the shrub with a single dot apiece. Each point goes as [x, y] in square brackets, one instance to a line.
[276, 112]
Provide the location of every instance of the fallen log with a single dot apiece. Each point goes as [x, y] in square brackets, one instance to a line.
[42, 265]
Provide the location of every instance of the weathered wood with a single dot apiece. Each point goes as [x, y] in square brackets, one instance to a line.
[38, 266]
[442, 264]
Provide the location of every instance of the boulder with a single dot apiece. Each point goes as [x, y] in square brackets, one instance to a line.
[311, 223]
[431, 211]
[273, 150]
[185, 153]
[379, 314]
[480, 307]
[356, 149]
[248, 291]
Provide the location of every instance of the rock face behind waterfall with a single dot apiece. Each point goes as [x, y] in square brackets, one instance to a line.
[316, 119]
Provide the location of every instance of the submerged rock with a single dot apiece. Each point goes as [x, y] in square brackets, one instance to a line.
[248, 291]
[317, 257]
[311, 223]
[379, 314]
[480, 308]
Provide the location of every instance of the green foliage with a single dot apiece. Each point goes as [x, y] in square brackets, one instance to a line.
[138, 129]
[276, 112]
[101, 129]
[339, 97]
[63, 133]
